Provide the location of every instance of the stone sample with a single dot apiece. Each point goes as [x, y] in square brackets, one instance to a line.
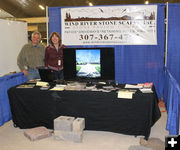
[37, 133]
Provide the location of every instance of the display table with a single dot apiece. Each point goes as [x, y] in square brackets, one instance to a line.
[103, 111]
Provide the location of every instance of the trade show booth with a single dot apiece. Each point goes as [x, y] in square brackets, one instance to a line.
[144, 39]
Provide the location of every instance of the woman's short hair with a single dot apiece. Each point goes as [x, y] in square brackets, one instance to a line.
[52, 34]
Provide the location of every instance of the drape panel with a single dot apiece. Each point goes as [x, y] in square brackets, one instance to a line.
[172, 77]
[5, 83]
[133, 63]
[173, 53]
[171, 99]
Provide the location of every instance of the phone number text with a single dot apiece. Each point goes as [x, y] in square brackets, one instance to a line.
[100, 37]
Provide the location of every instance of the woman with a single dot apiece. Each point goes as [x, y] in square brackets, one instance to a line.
[54, 55]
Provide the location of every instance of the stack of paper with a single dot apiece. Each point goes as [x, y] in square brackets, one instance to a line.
[26, 86]
[131, 86]
[90, 87]
[127, 94]
[33, 81]
[146, 90]
[58, 87]
[148, 85]
[41, 83]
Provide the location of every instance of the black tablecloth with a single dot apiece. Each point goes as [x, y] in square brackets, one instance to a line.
[32, 107]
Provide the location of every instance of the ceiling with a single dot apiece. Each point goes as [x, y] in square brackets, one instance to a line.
[30, 8]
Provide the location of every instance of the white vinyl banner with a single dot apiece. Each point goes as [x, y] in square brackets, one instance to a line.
[109, 25]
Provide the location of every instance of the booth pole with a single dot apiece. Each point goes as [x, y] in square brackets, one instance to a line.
[47, 25]
[166, 40]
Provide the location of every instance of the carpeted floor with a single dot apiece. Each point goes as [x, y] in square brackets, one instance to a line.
[13, 139]
[137, 147]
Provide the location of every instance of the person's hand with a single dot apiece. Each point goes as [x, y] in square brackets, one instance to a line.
[25, 72]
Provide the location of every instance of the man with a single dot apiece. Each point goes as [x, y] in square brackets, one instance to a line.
[31, 56]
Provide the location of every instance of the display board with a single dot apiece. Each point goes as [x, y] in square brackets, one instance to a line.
[109, 25]
[13, 36]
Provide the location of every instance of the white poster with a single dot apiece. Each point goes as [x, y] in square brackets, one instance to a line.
[13, 36]
[109, 25]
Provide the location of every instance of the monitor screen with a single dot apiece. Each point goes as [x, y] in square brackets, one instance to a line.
[88, 66]
[88, 63]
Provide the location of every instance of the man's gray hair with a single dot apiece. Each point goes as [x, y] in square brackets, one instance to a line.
[36, 32]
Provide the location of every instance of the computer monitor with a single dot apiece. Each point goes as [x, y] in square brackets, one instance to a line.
[89, 63]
